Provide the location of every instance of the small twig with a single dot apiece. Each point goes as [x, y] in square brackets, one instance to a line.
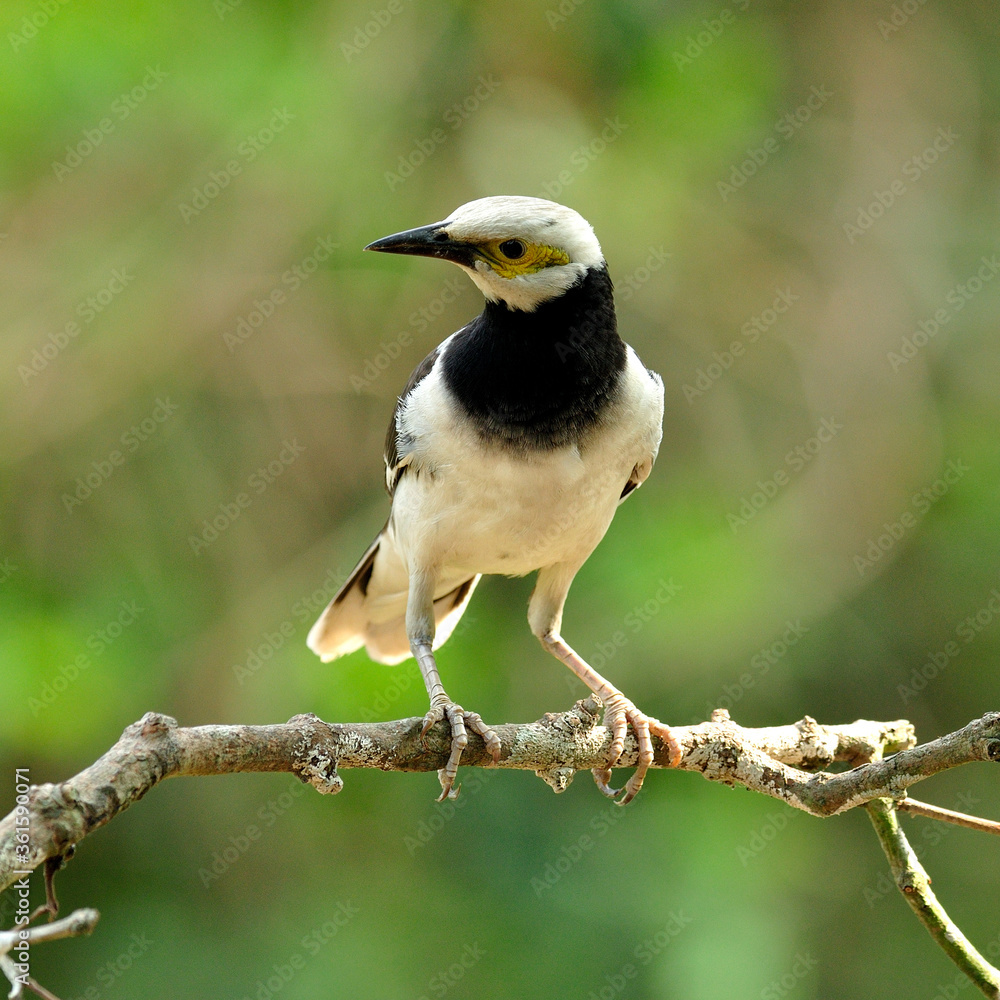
[948, 816]
[51, 904]
[37, 987]
[915, 885]
[79, 922]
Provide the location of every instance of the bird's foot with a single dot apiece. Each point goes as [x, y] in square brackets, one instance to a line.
[618, 713]
[460, 722]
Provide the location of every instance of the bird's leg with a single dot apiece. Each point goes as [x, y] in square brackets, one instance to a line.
[442, 707]
[545, 618]
[618, 713]
[420, 630]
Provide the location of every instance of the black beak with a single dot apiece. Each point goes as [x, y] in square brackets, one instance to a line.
[427, 241]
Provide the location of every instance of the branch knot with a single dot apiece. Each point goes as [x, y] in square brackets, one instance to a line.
[315, 759]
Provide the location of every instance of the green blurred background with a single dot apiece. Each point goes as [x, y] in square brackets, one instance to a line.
[166, 169]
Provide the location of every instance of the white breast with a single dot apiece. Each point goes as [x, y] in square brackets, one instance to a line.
[470, 507]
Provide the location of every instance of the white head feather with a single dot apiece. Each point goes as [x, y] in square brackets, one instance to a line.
[533, 220]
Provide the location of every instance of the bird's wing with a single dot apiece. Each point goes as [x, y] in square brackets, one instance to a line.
[642, 468]
[397, 455]
[638, 476]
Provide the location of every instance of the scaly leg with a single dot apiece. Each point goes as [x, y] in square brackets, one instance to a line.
[420, 631]
[545, 617]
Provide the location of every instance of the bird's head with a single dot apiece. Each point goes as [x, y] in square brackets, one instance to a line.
[519, 251]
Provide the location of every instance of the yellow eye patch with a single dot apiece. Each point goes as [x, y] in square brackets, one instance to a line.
[536, 257]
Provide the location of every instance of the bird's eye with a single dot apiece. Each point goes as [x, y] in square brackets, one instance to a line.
[441, 236]
[512, 249]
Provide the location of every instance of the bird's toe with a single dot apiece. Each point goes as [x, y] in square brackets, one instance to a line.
[619, 714]
[474, 721]
[434, 715]
[461, 723]
[602, 778]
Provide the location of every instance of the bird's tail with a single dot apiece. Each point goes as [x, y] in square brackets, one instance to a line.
[370, 608]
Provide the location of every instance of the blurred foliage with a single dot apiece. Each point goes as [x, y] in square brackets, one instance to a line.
[167, 168]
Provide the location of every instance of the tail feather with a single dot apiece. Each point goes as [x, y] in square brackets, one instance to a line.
[370, 609]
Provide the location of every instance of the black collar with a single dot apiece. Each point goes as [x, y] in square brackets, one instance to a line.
[539, 379]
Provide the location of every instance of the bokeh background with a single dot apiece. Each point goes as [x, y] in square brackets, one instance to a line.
[191, 184]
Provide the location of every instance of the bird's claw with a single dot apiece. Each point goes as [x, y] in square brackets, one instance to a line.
[602, 778]
[619, 712]
[460, 722]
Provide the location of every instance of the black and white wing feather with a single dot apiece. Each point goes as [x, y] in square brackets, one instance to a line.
[397, 446]
[640, 472]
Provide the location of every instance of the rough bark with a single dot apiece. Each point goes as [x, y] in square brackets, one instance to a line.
[775, 761]
[784, 762]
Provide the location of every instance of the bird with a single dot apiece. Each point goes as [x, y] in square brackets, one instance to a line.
[508, 452]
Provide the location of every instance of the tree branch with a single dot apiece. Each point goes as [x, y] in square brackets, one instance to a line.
[783, 762]
[21, 940]
[774, 761]
[948, 815]
[915, 885]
